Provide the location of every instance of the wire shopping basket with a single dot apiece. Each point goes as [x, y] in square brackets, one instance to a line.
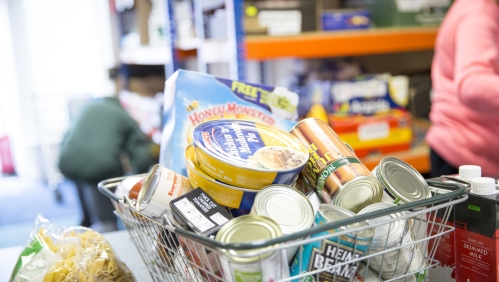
[326, 252]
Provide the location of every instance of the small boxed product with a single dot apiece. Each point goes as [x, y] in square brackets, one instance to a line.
[197, 211]
[446, 252]
[280, 17]
[192, 98]
[368, 95]
[408, 12]
[477, 231]
[387, 132]
[342, 19]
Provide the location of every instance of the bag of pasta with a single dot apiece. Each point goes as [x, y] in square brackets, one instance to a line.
[73, 254]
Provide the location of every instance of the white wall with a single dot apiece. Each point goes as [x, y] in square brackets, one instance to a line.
[10, 111]
[62, 50]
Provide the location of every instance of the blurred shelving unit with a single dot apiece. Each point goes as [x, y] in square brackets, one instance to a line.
[341, 43]
[329, 44]
[235, 48]
[351, 43]
[417, 157]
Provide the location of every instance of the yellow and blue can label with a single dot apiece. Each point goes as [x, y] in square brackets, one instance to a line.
[248, 154]
[223, 194]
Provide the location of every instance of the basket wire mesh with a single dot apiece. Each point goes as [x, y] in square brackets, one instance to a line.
[172, 253]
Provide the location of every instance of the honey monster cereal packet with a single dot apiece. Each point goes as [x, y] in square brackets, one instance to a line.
[192, 98]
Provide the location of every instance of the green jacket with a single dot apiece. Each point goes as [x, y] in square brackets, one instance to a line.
[96, 139]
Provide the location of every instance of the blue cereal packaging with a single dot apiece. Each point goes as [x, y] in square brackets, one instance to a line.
[369, 95]
[192, 98]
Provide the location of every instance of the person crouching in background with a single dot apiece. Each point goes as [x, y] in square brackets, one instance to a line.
[92, 150]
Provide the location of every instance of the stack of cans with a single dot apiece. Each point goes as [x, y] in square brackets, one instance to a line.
[276, 183]
[233, 159]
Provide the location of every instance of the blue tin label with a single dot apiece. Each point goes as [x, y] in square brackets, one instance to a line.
[250, 144]
[329, 252]
[247, 154]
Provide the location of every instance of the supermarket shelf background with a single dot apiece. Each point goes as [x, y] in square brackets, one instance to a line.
[306, 45]
[341, 43]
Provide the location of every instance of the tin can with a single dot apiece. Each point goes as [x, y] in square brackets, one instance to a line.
[392, 236]
[350, 148]
[224, 194]
[129, 188]
[287, 206]
[331, 164]
[248, 154]
[359, 193]
[365, 274]
[304, 186]
[328, 252]
[269, 266]
[126, 187]
[330, 213]
[160, 187]
[401, 182]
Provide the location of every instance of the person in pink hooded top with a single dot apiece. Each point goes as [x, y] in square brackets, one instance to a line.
[465, 98]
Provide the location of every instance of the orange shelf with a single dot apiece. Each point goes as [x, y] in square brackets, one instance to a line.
[341, 43]
[418, 157]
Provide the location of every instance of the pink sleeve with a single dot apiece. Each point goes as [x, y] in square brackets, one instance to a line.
[477, 63]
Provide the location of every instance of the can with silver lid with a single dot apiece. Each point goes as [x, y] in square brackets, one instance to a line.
[236, 266]
[359, 193]
[304, 186]
[332, 164]
[330, 213]
[401, 182]
[328, 252]
[160, 187]
[390, 236]
[290, 208]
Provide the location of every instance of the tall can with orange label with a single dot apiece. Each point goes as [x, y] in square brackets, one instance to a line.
[334, 170]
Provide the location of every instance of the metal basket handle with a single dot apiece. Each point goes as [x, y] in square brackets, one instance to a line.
[458, 190]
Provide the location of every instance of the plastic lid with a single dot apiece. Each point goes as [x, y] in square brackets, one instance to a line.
[483, 186]
[470, 171]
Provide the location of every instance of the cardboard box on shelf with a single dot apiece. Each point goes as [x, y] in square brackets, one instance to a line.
[280, 17]
[368, 95]
[408, 12]
[143, 8]
[385, 133]
[344, 19]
